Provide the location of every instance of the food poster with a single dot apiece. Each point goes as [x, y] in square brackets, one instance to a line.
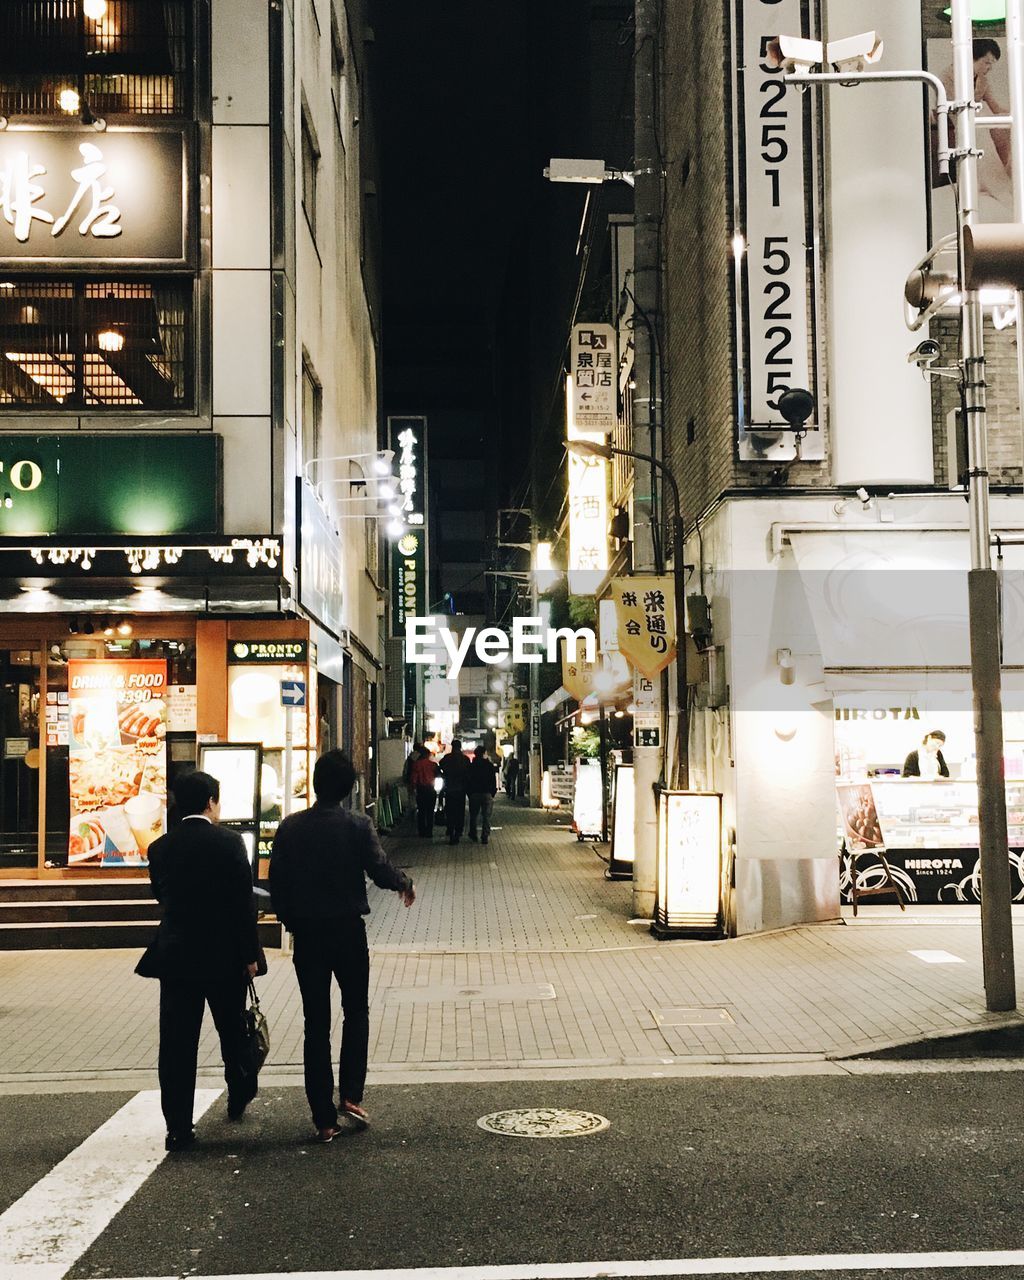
[117, 760]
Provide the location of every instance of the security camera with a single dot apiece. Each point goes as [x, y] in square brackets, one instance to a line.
[799, 56]
[924, 354]
[855, 52]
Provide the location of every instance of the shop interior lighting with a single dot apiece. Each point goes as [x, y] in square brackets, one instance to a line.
[124, 629]
[96, 10]
[69, 101]
[110, 340]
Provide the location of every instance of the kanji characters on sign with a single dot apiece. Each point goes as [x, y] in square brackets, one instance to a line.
[645, 611]
[22, 189]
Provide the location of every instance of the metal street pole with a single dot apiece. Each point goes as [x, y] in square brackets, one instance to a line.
[534, 707]
[648, 761]
[681, 770]
[982, 582]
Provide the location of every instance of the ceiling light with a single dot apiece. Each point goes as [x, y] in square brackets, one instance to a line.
[69, 101]
[95, 9]
[110, 340]
[124, 629]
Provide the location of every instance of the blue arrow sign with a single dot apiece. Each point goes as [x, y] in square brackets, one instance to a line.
[293, 693]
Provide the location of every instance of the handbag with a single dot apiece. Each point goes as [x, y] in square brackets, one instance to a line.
[255, 1035]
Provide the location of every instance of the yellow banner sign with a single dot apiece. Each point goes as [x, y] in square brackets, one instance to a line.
[577, 673]
[645, 610]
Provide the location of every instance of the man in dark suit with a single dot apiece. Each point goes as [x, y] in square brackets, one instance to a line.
[207, 950]
[318, 869]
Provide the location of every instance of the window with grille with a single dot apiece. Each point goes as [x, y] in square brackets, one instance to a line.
[95, 58]
[95, 344]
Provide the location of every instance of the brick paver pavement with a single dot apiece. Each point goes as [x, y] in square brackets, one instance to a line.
[520, 955]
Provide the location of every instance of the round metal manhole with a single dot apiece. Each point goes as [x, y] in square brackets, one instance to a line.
[543, 1122]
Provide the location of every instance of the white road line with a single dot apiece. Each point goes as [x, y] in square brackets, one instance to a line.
[43, 1234]
[827, 1262]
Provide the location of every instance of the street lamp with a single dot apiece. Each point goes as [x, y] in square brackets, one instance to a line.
[594, 449]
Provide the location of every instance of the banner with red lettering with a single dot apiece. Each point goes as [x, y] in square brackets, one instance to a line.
[117, 760]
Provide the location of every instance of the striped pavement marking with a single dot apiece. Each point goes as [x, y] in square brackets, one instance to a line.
[43, 1234]
[770, 1265]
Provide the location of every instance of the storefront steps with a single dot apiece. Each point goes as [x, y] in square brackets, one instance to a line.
[44, 916]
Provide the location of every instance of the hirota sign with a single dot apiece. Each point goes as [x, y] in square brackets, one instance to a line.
[74, 194]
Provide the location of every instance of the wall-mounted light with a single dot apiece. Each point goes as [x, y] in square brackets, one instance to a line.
[110, 340]
[787, 667]
[68, 100]
[395, 528]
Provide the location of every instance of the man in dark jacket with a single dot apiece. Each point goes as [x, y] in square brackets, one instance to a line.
[207, 950]
[318, 869]
[483, 787]
[455, 771]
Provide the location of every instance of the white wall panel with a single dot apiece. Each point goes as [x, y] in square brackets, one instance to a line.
[247, 466]
[880, 405]
[240, 62]
[241, 343]
[241, 197]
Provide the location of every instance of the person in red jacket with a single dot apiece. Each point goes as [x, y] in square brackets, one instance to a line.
[421, 778]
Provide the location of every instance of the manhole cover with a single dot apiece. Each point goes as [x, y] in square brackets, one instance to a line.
[543, 1122]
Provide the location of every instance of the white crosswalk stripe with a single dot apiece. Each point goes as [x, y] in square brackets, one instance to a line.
[43, 1234]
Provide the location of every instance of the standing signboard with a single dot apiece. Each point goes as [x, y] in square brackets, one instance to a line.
[117, 760]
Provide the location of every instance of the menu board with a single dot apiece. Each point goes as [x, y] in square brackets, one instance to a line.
[117, 759]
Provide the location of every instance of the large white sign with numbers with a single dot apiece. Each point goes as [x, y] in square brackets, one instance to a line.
[775, 221]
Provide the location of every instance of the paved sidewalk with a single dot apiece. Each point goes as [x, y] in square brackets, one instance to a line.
[520, 956]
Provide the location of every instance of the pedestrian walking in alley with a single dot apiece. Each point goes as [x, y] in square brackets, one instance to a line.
[455, 771]
[483, 786]
[318, 868]
[206, 951]
[422, 776]
[511, 777]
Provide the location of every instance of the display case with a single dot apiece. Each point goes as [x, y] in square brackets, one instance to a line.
[939, 815]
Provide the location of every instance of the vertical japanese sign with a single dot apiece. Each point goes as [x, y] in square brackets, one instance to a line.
[588, 509]
[117, 760]
[646, 615]
[595, 377]
[775, 218]
[408, 438]
[577, 673]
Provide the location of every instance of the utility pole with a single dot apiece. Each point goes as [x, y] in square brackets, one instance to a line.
[648, 760]
[982, 581]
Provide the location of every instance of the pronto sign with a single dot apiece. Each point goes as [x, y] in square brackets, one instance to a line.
[78, 196]
[408, 438]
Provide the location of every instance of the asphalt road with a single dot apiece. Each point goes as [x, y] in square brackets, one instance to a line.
[689, 1168]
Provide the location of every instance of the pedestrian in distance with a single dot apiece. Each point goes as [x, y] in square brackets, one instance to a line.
[455, 771]
[318, 868]
[407, 768]
[422, 776]
[512, 777]
[206, 951]
[483, 786]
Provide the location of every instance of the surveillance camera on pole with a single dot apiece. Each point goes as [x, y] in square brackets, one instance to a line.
[795, 55]
[855, 53]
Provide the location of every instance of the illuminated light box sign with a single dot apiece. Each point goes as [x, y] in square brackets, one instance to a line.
[83, 484]
[407, 436]
[82, 196]
[689, 884]
[623, 835]
[267, 651]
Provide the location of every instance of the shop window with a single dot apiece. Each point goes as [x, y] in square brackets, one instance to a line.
[95, 344]
[95, 58]
[310, 171]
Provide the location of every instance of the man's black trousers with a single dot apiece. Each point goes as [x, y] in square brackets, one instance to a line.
[454, 811]
[325, 950]
[183, 998]
[426, 801]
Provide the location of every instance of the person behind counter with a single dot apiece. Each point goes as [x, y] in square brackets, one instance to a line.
[927, 762]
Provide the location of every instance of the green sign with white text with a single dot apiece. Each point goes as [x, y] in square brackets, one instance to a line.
[84, 484]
